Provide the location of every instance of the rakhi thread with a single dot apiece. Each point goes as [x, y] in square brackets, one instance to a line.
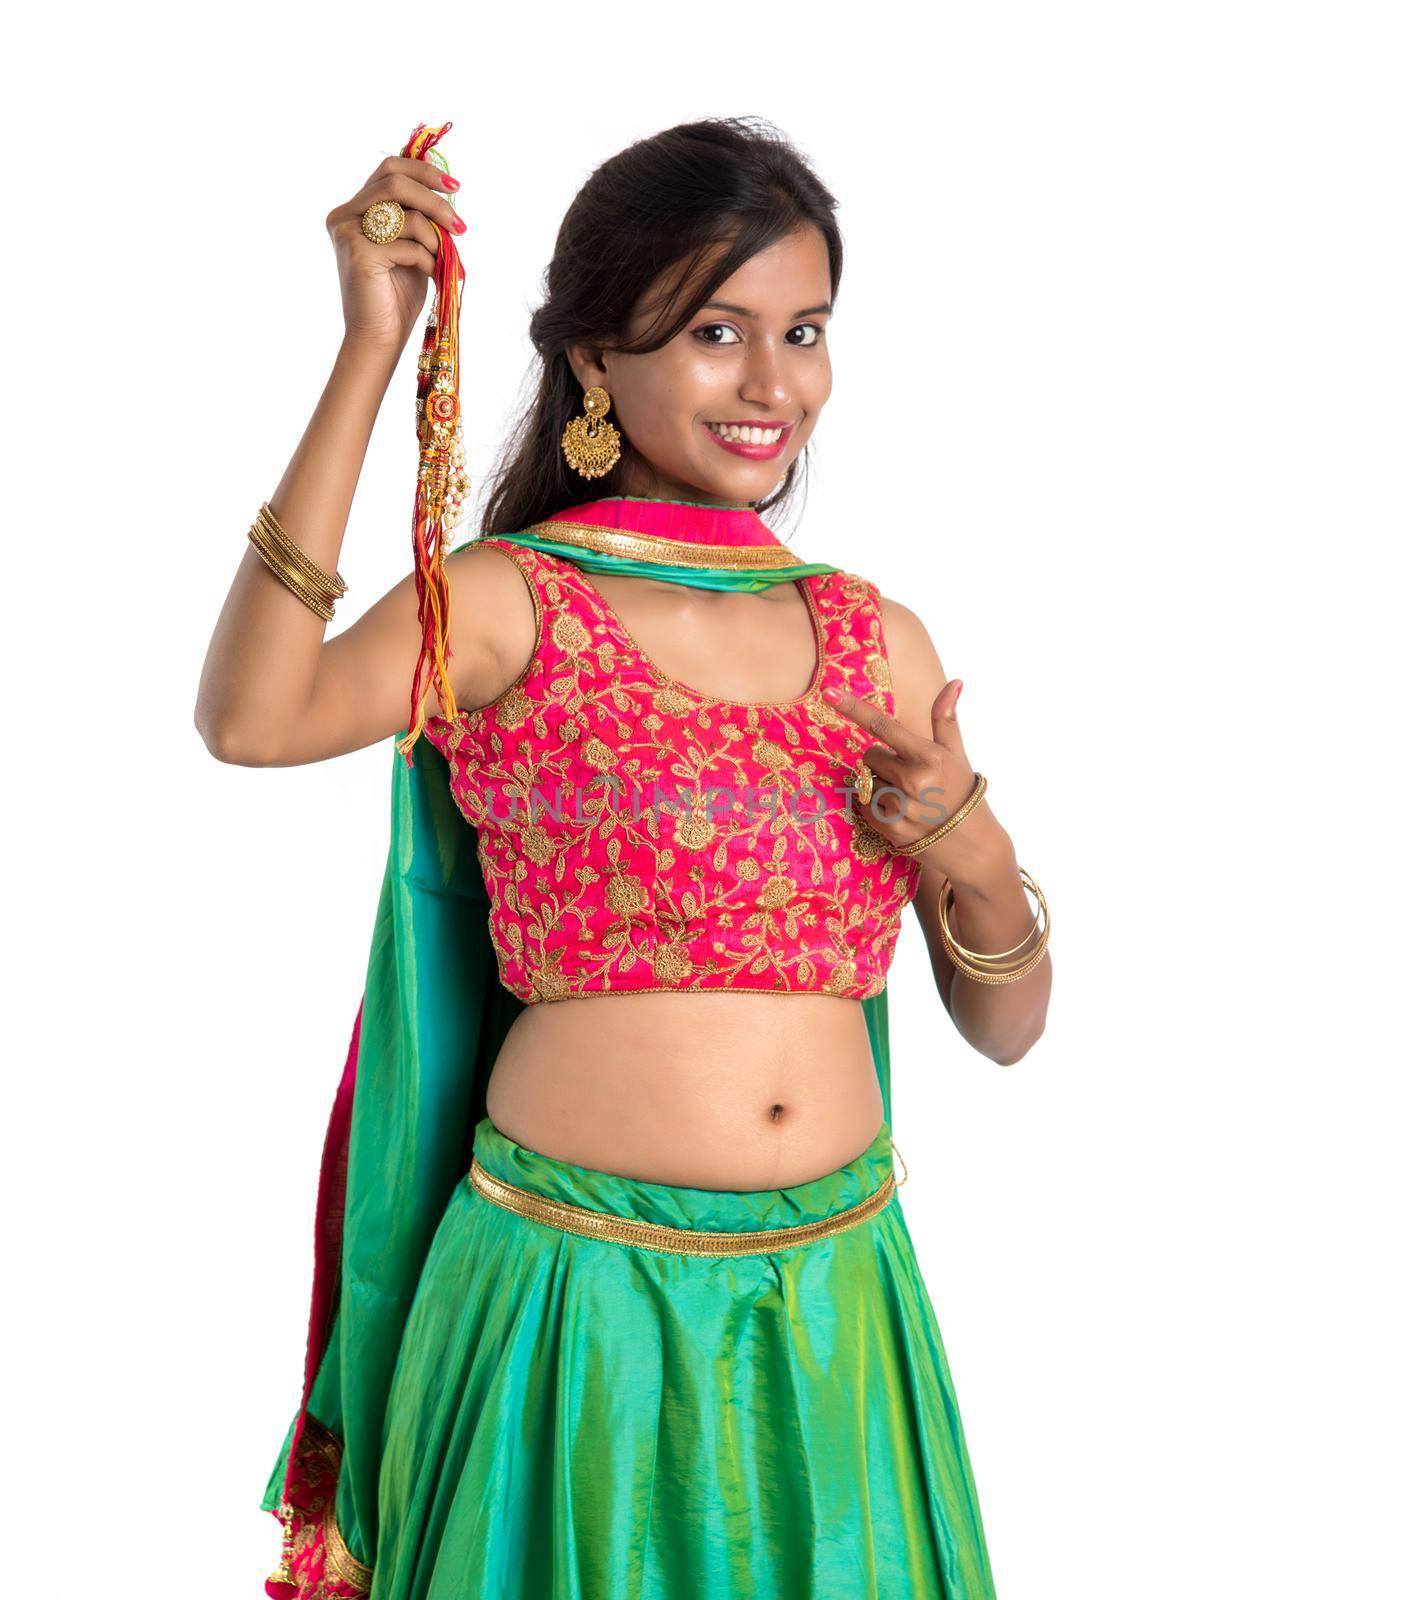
[442, 483]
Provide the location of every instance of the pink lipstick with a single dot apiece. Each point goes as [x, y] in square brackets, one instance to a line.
[753, 452]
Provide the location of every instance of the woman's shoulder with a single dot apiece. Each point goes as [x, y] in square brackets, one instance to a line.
[900, 617]
[912, 657]
[496, 607]
[912, 662]
[896, 615]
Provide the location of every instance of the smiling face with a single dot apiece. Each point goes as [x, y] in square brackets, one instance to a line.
[753, 358]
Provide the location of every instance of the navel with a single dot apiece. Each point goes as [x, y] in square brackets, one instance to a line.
[775, 1113]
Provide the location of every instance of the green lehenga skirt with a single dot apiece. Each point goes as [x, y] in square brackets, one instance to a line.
[594, 1399]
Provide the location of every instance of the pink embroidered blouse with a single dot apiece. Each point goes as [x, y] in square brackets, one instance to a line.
[637, 835]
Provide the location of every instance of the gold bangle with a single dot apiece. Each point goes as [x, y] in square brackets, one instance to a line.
[976, 795]
[298, 582]
[277, 564]
[978, 955]
[1008, 975]
[982, 968]
[286, 559]
[1002, 977]
[979, 966]
[966, 954]
[329, 588]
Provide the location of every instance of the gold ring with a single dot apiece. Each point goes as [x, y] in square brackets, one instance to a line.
[383, 221]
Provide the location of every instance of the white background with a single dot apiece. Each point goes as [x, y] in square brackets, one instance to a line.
[1128, 406]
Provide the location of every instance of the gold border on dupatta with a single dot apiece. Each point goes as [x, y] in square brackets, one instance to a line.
[339, 1565]
[670, 552]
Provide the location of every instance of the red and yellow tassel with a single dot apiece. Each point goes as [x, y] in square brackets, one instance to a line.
[442, 483]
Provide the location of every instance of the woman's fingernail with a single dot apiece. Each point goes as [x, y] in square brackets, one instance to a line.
[458, 224]
[834, 694]
[450, 183]
[959, 687]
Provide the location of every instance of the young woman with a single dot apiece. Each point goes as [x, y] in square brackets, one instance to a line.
[659, 1330]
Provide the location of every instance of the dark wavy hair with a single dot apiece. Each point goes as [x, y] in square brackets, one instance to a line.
[704, 197]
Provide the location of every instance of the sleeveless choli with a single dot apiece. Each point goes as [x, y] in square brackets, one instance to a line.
[637, 835]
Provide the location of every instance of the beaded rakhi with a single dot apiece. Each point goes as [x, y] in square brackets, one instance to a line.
[443, 483]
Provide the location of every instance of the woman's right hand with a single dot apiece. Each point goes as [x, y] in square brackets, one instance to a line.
[384, 285]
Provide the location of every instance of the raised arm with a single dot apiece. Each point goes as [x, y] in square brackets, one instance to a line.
[274, 691]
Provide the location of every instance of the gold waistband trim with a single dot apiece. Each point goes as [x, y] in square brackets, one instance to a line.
[663, 1237]
[672, 552]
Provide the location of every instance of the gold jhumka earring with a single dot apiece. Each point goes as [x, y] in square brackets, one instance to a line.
[591, 444]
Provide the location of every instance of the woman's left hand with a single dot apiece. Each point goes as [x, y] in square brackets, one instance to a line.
[922, 781]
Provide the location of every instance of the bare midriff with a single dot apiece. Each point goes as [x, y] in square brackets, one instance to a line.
[702, 1090]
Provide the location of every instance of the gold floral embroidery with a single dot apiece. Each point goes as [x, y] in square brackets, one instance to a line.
[316, 1559]
[733, 883]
